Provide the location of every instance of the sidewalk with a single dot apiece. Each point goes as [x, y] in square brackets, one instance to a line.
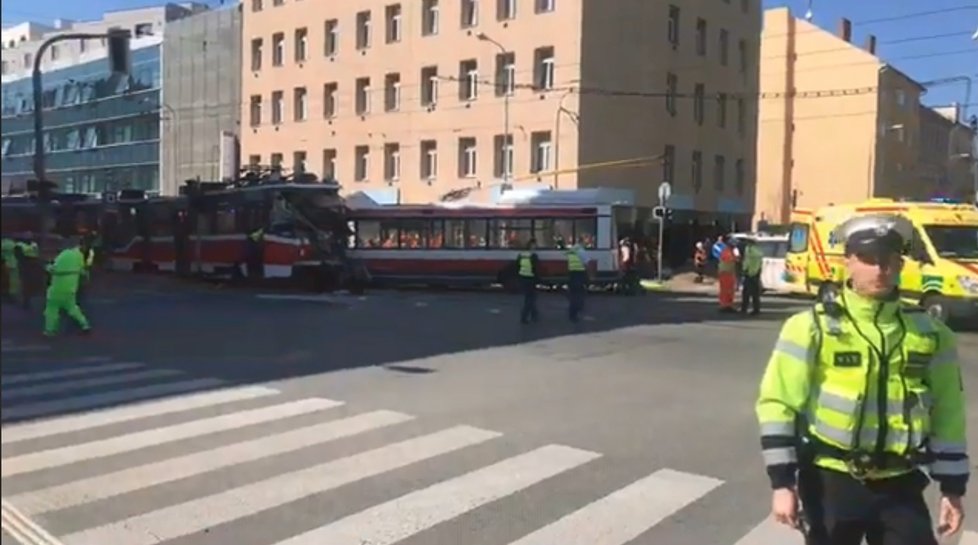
[683, 283]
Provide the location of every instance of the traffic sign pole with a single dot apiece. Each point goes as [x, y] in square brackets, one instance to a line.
[665, 191]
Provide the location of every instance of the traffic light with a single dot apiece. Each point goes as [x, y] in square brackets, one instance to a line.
[120, 58]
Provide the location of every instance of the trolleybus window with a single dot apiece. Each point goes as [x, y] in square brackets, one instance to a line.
[586, 232]
[415, 234]
[454, 233]
[225, 222]
[477, 233]
[510, 233]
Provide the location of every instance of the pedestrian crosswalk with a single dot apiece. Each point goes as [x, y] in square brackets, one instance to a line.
[123, 446]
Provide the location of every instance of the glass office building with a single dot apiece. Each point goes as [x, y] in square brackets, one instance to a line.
[101, 130]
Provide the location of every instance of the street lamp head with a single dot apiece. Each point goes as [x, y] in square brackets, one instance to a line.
[482, 36]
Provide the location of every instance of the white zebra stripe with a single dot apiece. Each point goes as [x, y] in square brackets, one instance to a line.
[202, 513]
[55, 457]
[164, 471]
[43, 389]
[626, 513]
[77, 403]
[69, 372]
[770, 532]
[104, 417]
[403, 517]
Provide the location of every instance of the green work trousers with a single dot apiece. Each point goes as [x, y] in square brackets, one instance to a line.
[58, 302]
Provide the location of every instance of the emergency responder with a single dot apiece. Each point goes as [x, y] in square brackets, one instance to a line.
[255, 255]
[528, 269]
[857, 396]
[727, 276]
[66, 272]
[576, 281]
[753, 264]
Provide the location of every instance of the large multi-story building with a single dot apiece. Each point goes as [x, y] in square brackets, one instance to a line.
[846, 126]
[102, 130]
[407, 101]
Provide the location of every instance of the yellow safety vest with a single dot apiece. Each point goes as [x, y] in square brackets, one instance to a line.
[753, 261]
[256, 236]
[574, 262]
[526, 265]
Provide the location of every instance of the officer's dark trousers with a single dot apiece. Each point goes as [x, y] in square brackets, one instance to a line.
[843, 511]
[529, 311]
[576, 290]
[751, 293]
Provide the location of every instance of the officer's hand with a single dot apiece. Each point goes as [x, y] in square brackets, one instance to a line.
[784, 506]
[951, 516]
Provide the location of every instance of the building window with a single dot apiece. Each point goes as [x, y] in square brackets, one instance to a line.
[332, 40]
[429, 159]
[505, 10]
[143, 29]
[330, 91]
[255, 110]
[55, 53]
[278, 2]
[741, 115]
[363, 96]
[673, 27]
[543, 68]
[393, 23]
[278, 107]
[278, 49]
[721, 110]
[701, 37]
[696, 171]
[256, 5]
[429, 17]
[300, 99]
[392, 92]
[739, 176]
[668, 162]
[541, 151]
[672, 84]
[698, 98]
[301, 44]
[256, 54]
[392, 162]
[502, 156]
[276, 159]
[505, 74]
[719, 170]
[361, 168]
[470, 13]
[467, 157]
[742, 55]
[298, 162]
[724, 44]
[329, 163]
[254, 160]
[544, 6]
[363, 30]
[429, 85]
[468, 80]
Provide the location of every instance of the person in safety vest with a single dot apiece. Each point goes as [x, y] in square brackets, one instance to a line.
[753, 264]
[528, 268]
[576, 281]
[255, 254]
[727, 277]
[11, 278]
[62, 296]
[859, 395]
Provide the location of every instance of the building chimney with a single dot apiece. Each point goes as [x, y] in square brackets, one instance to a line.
[871, 44]
[845, 29]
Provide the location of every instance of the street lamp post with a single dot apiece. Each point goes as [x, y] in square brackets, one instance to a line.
[561, 110]
[507, 137]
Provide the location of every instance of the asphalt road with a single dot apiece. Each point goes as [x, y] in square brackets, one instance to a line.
[409, 418]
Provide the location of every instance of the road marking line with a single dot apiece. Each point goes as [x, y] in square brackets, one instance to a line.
[153, 474]
[68, 372]
[23, 529]
[55, 457]
[28, 391]
[104, 417]
[626, 513]
[31, 410]
[295, 297]
[209, 511]
[407, 515]
[12, 348]
[770, 532]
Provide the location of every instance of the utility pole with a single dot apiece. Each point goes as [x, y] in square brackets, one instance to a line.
[509, 153]
[119, 62]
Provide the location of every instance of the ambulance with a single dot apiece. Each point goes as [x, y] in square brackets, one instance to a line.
[941, 268]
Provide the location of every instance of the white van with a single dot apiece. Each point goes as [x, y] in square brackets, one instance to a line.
[774, 248]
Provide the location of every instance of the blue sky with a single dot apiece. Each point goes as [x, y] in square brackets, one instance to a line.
[938, 39]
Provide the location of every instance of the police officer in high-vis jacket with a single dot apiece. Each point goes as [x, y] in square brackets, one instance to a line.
[860, 397]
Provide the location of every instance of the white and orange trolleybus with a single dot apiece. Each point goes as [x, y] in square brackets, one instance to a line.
[460, 244]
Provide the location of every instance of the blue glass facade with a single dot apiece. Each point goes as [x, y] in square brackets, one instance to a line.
[101, 131]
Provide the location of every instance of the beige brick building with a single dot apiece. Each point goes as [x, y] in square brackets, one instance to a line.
[847, 126]
[405, 101]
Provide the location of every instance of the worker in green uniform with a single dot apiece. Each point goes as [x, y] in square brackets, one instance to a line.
[753, 265]
[860, 394]
[528, 269]
[66, 272]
